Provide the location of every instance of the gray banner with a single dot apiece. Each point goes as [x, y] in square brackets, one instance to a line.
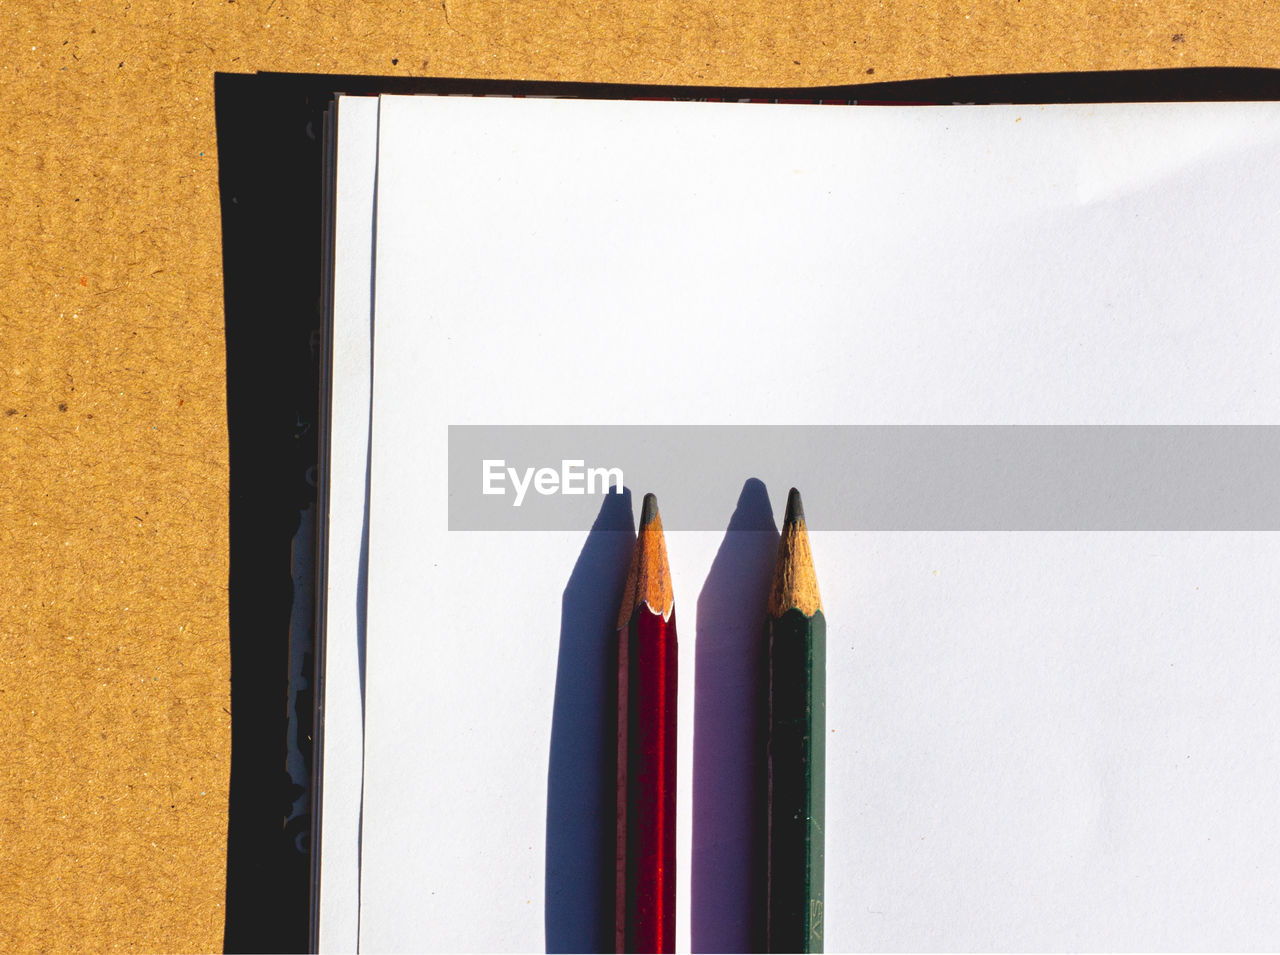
[860, 478]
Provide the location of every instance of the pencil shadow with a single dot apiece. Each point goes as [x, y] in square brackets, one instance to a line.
[581, 810]
[729, 670]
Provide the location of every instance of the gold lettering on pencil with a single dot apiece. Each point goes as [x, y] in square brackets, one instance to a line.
[815, 920]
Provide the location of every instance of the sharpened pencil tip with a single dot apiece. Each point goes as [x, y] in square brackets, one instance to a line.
[794, 582]
[648, 510]
[795, 509]
[649, 579]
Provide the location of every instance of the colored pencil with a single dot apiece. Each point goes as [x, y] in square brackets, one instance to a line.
[645, 895]
[796, 751]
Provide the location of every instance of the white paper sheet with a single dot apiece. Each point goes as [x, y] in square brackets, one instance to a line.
[336, 897]
[1037, 741]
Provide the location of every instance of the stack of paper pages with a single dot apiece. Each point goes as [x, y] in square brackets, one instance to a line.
[1021, 362]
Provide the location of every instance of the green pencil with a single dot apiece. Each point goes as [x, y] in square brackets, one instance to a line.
[797, 745]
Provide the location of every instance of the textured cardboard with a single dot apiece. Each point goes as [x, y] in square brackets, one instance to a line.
[114, 461]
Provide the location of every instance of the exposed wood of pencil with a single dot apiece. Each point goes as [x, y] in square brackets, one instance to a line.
[796, 757]
[649, 580]
[795, 584]
[644, 916]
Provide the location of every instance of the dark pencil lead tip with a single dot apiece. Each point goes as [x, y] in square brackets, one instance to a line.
[648, 510]
[795, 509]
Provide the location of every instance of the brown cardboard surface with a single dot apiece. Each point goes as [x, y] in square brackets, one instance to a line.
[114, 661]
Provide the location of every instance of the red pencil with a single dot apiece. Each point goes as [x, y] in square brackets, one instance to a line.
[645, 897]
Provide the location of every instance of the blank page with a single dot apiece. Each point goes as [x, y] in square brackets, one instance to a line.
[1037, 741]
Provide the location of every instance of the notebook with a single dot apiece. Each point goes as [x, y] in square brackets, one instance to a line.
[1050, 697]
